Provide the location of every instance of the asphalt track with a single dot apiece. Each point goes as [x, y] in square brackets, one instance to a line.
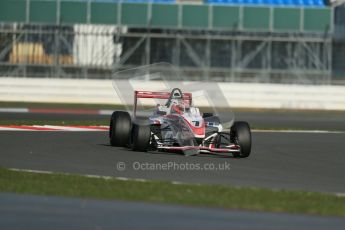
[294, 161]
[47, 212]
[259, 119]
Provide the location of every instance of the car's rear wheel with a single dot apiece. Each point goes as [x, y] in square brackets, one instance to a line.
[140, 139]
[240, 132]
[120, 128]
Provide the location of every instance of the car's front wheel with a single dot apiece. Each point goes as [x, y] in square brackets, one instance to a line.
[120, 128]
[241, 134]
[141, 135]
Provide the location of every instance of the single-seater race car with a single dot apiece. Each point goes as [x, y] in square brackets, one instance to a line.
[177, 126]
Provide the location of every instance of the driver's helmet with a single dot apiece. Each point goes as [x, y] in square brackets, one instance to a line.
[179, 106]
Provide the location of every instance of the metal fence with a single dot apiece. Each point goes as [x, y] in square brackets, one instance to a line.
[97, 51]
[88, 39]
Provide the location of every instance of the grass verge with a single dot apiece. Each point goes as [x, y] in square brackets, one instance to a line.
[165, 192]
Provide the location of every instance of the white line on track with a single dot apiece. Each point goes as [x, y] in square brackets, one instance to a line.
[53, 128]
[31, 171]
[105, 112]
[14, 110]
[71, 128]
[340, 194]
[48, 110]
[11, 129]
[85, 175]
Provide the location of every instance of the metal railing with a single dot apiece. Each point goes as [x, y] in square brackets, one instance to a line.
[97, 51]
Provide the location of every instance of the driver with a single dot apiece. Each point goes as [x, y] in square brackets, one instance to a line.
[179, 107]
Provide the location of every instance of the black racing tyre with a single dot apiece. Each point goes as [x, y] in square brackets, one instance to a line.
[240, 131]
[141, 135]
[120, 128]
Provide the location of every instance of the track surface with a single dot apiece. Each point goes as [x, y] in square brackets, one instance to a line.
[43, 212]
[298, 161]
[261, 119]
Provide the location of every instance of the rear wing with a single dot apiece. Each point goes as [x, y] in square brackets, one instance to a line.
[187, 97]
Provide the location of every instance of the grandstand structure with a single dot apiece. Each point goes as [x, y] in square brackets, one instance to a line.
[285, 41]
[338, 45]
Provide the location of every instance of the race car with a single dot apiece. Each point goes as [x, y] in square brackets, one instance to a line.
[177, 126]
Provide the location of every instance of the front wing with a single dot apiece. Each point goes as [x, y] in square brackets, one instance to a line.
[202, 149]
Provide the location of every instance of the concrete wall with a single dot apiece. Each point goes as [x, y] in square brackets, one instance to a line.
[240, 95]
